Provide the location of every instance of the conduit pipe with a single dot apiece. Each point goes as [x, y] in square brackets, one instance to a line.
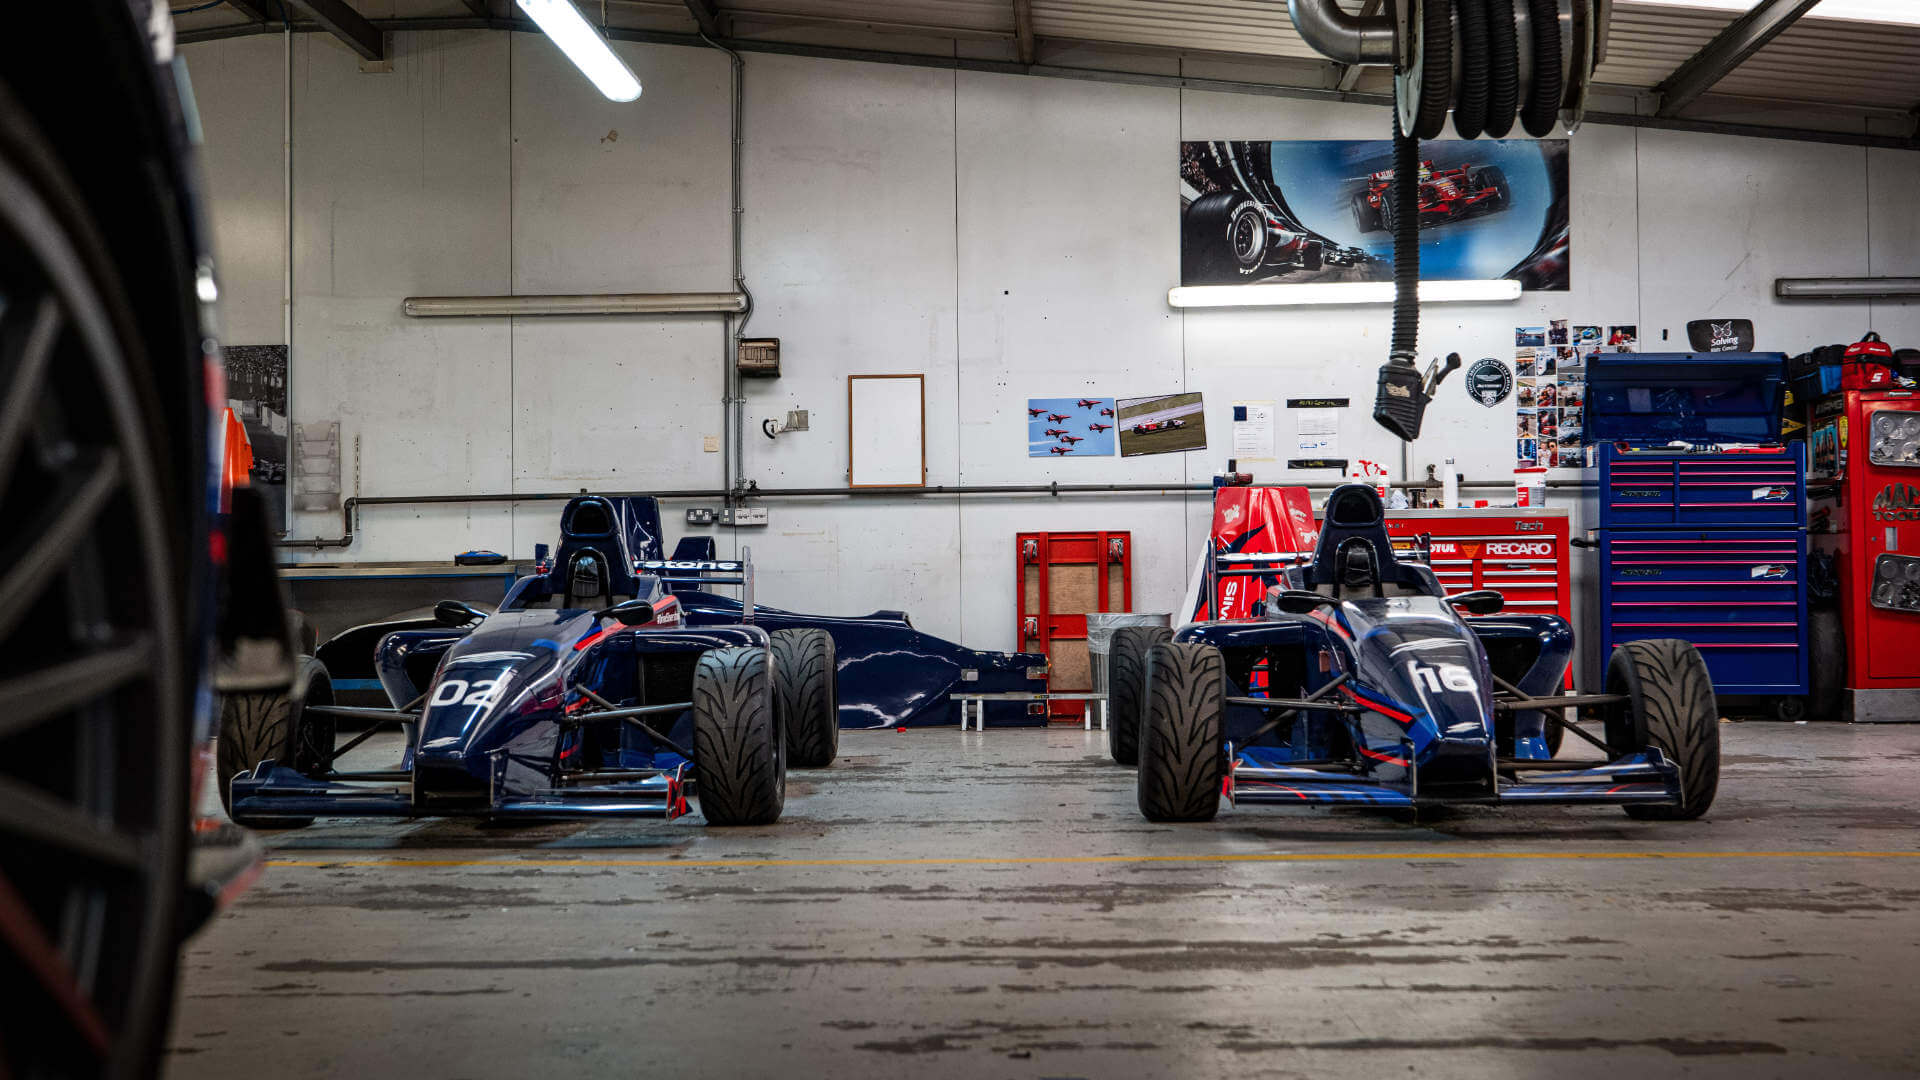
[1343, 38]
[688, 303]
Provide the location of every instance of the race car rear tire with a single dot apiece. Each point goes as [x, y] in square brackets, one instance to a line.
[1389, 212]
[739, 751]
[1670, 705]
[1493, 176]
[258, 727]
[1127, 687]
[807, 696]
[1313, 255]
[1183, 733]
[1366, 217]
[1223, 238]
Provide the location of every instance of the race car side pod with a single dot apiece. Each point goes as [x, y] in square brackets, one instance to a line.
[402, 715]
[1293, 707]
[632, 714]
[1551, 706]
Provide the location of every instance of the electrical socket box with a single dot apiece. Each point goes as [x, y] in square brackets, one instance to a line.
[796, 420]
[758, 358]
[743, 515]
[700, 515]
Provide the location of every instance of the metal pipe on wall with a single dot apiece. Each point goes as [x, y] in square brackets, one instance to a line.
[732, 399]
[1347, 39]
[686, 303]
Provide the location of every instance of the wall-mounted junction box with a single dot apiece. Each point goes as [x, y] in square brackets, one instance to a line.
[735, 516]
[759, 358]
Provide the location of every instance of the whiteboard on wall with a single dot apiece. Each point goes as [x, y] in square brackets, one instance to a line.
[886, 431]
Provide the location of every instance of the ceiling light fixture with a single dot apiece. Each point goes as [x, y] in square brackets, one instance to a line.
[562, 22]
[1490, 291]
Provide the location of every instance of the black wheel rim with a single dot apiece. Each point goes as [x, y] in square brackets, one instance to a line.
[1247, 236]
[93, 776]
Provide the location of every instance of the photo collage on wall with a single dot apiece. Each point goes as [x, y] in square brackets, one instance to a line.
[1550, 389]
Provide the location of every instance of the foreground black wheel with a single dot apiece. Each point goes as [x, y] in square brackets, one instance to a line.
[95, 681]
[1494, 177]
[1670, 705]
[739, 754]
[1183, 736]
[1127, 687]
[808, 696]
[276, 726]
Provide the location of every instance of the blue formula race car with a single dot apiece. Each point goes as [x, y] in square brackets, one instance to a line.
[589, 692]
[1355, 680]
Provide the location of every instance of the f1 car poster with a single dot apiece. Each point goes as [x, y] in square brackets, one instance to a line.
[1320, 211]
[1162, 425]
[1070, 427]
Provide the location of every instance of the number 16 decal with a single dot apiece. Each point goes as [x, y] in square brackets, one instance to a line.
[1450, 676]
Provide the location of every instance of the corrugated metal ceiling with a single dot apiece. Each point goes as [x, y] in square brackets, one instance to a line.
[1817, 61]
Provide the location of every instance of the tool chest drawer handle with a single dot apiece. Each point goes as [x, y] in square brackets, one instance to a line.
[1722, 581]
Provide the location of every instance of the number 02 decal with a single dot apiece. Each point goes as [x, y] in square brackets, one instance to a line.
[480, 692]
[1450, 676]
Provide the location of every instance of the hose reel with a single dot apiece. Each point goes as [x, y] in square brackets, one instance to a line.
[1490, 65]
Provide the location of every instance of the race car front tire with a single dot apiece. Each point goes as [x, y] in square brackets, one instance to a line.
[1127, 687]
[739, 751]
[1493, 176]
[276, 726]
[1670, 705]
[1183, 748]
[807, 696]
[1366, 218]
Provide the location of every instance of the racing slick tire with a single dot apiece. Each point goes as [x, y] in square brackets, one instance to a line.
[739, 751]
[1493, 176]
[1127, 687]
[1183, 733]
[1670, 704]
[1313, 255]
[1366, 217]
[1223, 238]
[1389, 212]
[807, 696]
[276, 726]
[1826, 666]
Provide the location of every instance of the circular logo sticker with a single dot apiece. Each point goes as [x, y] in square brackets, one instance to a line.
[1489, 381]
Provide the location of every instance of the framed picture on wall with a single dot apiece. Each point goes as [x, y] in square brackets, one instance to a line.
[886, 431]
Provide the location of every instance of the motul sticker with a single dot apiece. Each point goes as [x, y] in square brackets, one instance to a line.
[1445, 548]
[1510, 547]
[1771, 494]
[1771, 570]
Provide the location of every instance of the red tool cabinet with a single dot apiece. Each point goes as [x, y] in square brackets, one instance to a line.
[1062, 576]
[1521, 553]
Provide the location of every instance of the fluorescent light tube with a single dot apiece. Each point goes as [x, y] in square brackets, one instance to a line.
[1898, 12]
[562, 22]
[1867, 288]
[1491, 291]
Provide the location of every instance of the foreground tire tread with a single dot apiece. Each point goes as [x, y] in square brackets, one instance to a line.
[739, 763]
[1127, 687]
[805, 682]
[1183, 733]
[1674, 694]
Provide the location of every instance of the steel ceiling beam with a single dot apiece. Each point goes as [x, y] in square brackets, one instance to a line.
[1734, 46]
[708, 16]
[338, 18]
[1023, 30]
[259, 10]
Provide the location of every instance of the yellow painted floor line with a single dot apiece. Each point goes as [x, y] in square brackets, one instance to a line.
[1050, 860]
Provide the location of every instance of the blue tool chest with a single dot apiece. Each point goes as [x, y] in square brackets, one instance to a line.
[1702, 516]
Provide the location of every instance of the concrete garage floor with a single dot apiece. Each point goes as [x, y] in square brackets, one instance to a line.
[989, 905]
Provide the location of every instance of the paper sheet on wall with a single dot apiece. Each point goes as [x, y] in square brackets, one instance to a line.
[1253, 431]
[1318, 432]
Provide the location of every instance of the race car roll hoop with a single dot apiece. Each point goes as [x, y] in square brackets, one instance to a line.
[1488, 62]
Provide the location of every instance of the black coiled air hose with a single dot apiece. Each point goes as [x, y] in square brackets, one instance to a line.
[1503, 68]
[1406, 244]
[1470, 108]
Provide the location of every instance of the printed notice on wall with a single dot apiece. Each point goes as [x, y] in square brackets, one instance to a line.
[1253, 438]
[1317, 432]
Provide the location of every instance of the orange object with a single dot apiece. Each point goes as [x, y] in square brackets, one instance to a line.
[236, 459]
